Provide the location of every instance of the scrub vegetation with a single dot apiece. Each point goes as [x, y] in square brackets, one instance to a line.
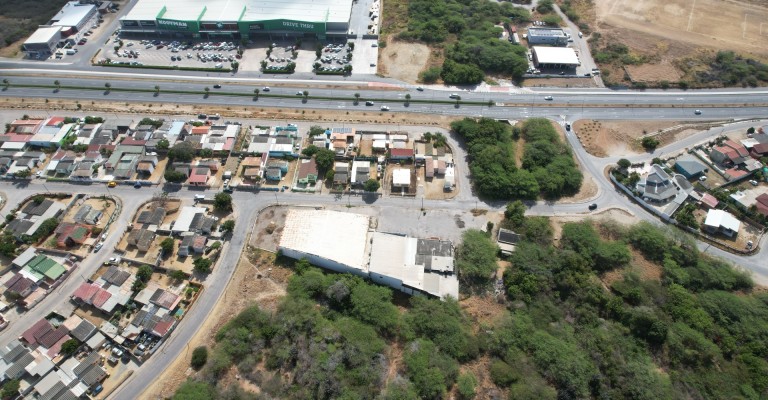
[548, 168]
[468, 33]
[583, 320]
[19, 18]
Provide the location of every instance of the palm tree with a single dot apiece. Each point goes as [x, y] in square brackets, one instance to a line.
[7, 83]
[256, 93]
[108, 86]
[207, 89]
[407, 99]
[357, 98]
[458, 99]
[58, 85]
[306, 94]
[157, 89]
[490, 103]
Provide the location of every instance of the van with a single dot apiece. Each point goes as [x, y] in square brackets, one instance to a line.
[199, 197]
[71, 52]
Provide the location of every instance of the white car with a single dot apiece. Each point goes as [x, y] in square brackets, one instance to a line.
[697, 112]
[548, 98]
[453, 96]
[384, 108]
[266, 89]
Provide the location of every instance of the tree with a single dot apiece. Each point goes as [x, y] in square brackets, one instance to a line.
[7, 83]
[623, 163]
[57, 84]
[206, 153]
[751, 130]
[256, 94]
[202, 265]
[306, 94]
[310, 150]
[222, 202]
[174, 176]
[407, 99]
[11, 387]
[357, 98]
[316, 130]
[157, 89]
[329, 175]
[649, 143]
[207, 90]
[24, 173]
[108, 86]
[177, 274]
[167, 246]
[458, 100]
[70, 347]
[466, 386]
[228, 226]
[515, 213]
[371, 185]
[195, 390]
[144, 273]
[324, 159]
[163, 144]
[182, 152]
[476, 257]
[502, 374]
[199, 357]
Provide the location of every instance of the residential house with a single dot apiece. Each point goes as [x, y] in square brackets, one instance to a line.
[199, 176]
[690, 167]
[719, 221]
[401, 178]
[5, 164]
[273, 174]
[759, 150]
[111, 290]
[657, 186]
[307, 172]
[252, 167]
[341, 173]
[192, 244]
[122, 162]
[69, 234]
[83, 172]
[52, 133]
[507, 241]
[20, 286]
[761, 204]
[193, 219]
[708, 201]
[43, 270]
[151, 218]
[141, 238]
[29, 219]
[86, 133]
[729, 153]
[361, 172]
[88, 215]
[221, 138]
[67, 160]
[397, 155]
[146, 165]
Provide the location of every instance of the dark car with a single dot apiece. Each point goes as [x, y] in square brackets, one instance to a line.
[593, 207]
[137, 185]
[217, 86]
[567, 126]
[368, 103]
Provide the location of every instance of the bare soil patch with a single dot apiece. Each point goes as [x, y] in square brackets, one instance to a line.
[559, 82]
[618, 138]
[663, 71]
[403, 60]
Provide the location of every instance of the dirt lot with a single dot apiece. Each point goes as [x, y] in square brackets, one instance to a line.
[620, 138]
[720, 24]
[267, 229]
[654, 72]
[402, 60]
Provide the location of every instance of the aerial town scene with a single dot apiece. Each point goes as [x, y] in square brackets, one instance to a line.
[383, 199]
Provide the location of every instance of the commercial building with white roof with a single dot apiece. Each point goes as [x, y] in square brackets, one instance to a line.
[67, 26]
[555, 57]
[238, 19]
[343, 242]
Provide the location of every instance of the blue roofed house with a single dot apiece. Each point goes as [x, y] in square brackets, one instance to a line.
[690, 167]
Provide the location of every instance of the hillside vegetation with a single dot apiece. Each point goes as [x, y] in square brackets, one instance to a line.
[583, 320]
[19, 18]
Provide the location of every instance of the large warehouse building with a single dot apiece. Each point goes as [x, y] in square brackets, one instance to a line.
[555, 57]
[343, 242]
[238, 19]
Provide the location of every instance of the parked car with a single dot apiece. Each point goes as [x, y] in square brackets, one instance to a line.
[98, 247]
[111, 184]
[137, 185]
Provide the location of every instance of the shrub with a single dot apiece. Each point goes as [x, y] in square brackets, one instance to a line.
[199, 357]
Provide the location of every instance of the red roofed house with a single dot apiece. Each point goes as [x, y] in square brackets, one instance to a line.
[730, 153]
[759, 150]
[733, 173]
[762, 204]
[401, 154]
[709, 201]
[68, 234]
[92, 294]
[199, 176]
[200, 130]
[129, 141]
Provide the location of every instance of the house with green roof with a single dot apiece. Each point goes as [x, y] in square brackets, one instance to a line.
[43, 268]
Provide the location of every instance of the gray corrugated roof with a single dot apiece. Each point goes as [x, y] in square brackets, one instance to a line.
[17, 369]
[83, 331]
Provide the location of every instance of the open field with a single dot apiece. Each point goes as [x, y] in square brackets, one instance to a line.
[403, 60]
[720, 24]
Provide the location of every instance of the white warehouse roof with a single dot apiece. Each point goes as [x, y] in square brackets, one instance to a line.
[333, 235]
[43, 34]
[556, 55]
